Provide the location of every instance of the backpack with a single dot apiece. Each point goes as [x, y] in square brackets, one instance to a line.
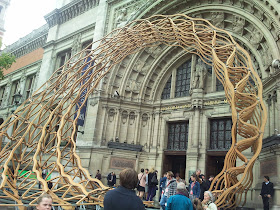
[154, 180]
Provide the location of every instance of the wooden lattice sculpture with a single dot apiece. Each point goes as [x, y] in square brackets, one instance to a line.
[40, 134]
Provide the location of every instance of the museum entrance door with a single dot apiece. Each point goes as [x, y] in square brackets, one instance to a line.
[175, 161]
[214, 163]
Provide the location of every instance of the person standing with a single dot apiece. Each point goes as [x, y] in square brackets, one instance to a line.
[178, 178]
[141, 184]
[162, 184]
[44, 202]
[266, 192]
[208, 202]
[194, 188]
[111, 178]
[98, 175]
[124, 196]
[170, 189]
[203, 187]
[146, 185]
[209, 182]
[180, 200]
[152, 184]
[198, 174]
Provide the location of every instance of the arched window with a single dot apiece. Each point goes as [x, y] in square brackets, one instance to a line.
[183, 80]
[167, 89]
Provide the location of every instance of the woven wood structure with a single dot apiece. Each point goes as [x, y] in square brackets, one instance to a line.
[41, 133]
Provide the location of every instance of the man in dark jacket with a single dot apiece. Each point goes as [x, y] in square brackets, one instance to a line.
[209, 182]
[266, 192]
[203, 187]
[98, 175]
[111, 178]
[124, 196]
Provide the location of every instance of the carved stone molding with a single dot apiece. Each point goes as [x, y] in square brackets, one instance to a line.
[29, 43]
[70, 11]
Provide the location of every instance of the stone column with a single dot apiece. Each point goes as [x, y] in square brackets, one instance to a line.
[136, 128]
[48, 62]
[151, 126]
[7, 93]
[268, 124]
[117, 124]
[278, 106]
[156, 129]
[101, 15]
[104, 127]
[195, 131]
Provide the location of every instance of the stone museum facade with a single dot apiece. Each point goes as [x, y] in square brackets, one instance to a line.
[152, 109]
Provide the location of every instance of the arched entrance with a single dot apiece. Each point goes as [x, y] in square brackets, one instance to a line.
[69, 91]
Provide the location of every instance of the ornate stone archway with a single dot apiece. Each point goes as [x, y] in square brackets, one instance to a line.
[40, 134]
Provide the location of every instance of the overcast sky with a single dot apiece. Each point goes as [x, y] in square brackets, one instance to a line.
[23, 16]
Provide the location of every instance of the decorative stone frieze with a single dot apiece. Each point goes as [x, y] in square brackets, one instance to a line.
[70, 11]
[238, 25]
[218, 19]
[36, 39]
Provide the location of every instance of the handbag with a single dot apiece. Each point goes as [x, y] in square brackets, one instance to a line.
[138, 183]
[154, 180]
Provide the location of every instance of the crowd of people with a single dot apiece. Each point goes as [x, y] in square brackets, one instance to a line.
[174, 192]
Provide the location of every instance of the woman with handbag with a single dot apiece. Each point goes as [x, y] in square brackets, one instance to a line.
[141, 184]
[152, 184]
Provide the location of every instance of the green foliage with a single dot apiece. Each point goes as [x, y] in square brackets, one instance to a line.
[6, 60]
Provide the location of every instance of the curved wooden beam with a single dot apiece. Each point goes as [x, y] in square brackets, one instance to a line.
[40, 134]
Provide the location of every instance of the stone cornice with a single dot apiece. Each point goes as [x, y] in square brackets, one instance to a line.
[271, 79]
[70, 36]
[29, 43]
[69, 11]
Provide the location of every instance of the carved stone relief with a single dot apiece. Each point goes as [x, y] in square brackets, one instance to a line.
[145, 118]
[131, 118]
[121, 18]
[266, 57]
[139, 65]
[111, 115]
[77, 44]
[238, 25]
[121, 163]
[218, 19]
[124, 116]
[256, 37]
[199, 75]
[154, 51]
[123, 13]
[133, 85]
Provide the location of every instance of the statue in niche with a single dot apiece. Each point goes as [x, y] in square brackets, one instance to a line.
[199, 75]
[238, 25]
[256, 37]
[77, 43]
[124, 116]
[139, 65]
[111, 115]
[145, 69]
[122, 18]
[266, 56]
[153, 51]
[218, 19]
[132, 85]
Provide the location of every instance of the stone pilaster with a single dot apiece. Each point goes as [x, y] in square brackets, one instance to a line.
[278, 106]
[137, 125]
[156, 129]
